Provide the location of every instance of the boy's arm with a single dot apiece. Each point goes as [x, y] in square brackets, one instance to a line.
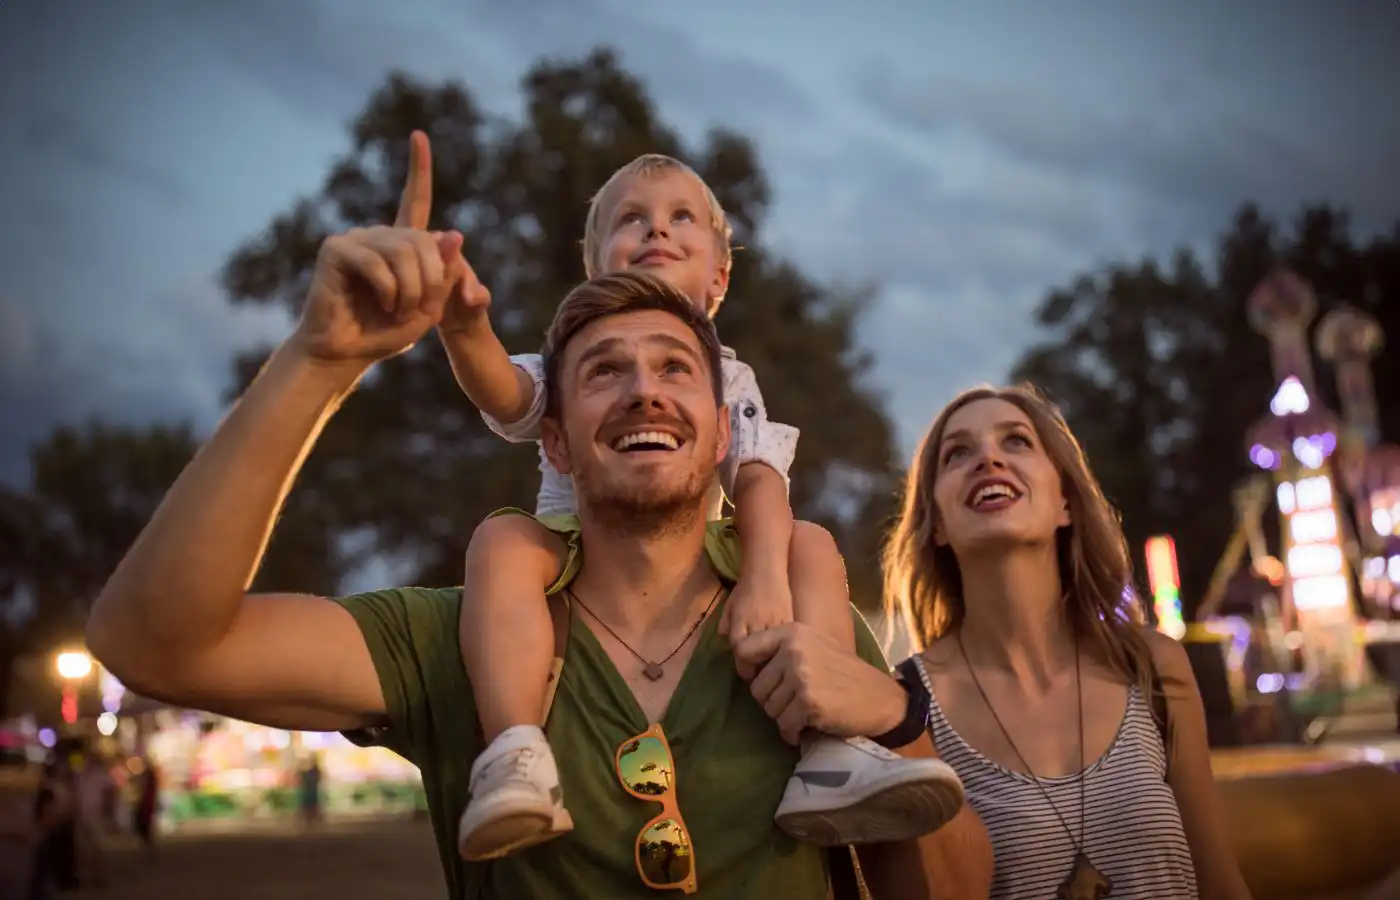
[755, 475]
[504, 391]
[764, 522]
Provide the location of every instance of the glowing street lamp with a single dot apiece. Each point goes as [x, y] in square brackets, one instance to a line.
[73, 666]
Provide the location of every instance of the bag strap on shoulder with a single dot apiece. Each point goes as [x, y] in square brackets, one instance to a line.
[559, 613]
[1161, 715]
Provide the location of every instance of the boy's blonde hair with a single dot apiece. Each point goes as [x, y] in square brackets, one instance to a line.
[649, 165]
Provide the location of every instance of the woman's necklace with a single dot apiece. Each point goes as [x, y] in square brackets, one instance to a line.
[1084, 882]
[652, 670]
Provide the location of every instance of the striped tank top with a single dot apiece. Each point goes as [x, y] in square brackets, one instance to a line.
[1130, 822]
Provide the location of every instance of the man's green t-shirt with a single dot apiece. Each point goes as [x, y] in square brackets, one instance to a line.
[731, 764]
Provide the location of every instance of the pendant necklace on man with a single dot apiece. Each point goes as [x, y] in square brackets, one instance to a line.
[652, 669]
[1085, 881]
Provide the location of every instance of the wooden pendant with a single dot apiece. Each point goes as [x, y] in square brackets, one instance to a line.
[1084, 882]
[653, 672]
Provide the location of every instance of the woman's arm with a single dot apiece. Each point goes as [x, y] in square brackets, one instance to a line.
[953, 863]
[1218, 874]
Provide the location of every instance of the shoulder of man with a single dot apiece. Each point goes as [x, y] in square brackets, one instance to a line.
[722, 544]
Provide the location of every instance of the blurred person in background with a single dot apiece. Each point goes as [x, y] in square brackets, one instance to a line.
[53, 839]
[145, 785]
[94, 787]
[309, 792]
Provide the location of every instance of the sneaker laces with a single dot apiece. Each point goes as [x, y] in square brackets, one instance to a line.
[511, 766]
[870, 748]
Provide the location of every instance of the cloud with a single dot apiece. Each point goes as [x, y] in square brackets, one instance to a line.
[958, 269]
[1205, 156]
[696, 88]
[171, 361]
[59, 138]
[323, 59]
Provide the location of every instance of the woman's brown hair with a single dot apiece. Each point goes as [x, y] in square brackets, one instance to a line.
[923, 584]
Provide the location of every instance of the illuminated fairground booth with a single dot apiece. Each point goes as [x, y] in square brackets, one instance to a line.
[213, 766]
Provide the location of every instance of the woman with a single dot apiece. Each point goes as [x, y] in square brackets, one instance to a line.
[1011, 571]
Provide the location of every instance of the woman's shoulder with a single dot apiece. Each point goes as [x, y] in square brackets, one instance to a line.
[1168, 655]
[940, 654]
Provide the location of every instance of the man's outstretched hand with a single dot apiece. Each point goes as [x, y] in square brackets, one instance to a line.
[809, 680]
[376, 291]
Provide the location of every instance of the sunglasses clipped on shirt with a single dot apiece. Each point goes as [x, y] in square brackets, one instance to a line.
[665, 853]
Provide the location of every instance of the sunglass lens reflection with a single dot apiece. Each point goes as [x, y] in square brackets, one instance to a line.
[664, 851]
[645, 767]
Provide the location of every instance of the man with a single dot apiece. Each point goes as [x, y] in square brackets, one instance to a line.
[175, 622]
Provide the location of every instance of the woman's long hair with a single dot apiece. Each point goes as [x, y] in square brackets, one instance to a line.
[923, 584]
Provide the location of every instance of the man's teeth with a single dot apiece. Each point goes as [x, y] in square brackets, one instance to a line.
[658, 438]
[993, 492]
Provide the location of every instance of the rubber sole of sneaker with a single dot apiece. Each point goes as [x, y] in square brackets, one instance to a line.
[510, 834]
[896, 813]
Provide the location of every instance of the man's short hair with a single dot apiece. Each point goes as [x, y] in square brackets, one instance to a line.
[616, 294]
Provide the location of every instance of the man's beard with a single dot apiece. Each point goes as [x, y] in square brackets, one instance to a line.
[644, 510]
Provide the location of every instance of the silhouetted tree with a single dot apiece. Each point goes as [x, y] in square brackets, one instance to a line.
[92, 490]
[408, 460]
[1160, 374]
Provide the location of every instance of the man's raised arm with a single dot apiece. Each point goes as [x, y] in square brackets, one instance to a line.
[174, 621]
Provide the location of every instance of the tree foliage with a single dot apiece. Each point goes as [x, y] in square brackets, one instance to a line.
[1160, 374]
[408, 460]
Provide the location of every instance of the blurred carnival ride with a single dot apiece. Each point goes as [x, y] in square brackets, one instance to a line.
[1303, 645]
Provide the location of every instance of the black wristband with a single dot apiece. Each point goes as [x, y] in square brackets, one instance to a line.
[916, 714]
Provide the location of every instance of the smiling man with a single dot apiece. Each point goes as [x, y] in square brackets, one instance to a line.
[675, 774]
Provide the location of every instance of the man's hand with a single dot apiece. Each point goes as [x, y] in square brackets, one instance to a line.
[808, 680]
[376, 291]
[756, 604]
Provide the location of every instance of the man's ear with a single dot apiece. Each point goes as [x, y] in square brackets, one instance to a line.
[555, 444]
[722, 434]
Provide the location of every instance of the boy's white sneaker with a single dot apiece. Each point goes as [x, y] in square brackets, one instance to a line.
[854, 791]
[516, 800]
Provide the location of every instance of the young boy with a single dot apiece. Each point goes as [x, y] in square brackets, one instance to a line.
[654, 215]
